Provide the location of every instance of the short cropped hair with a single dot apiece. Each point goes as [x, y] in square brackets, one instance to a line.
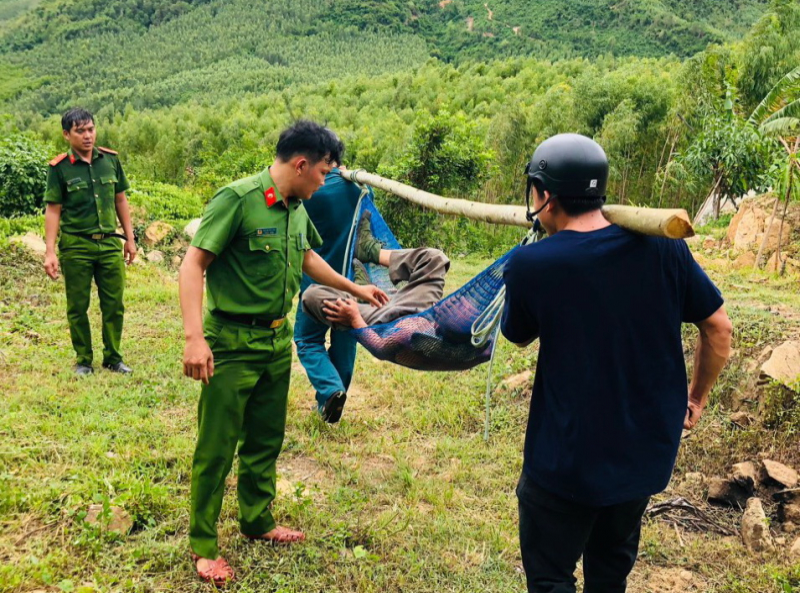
[311, 140]
[573, 205]
[75, 117]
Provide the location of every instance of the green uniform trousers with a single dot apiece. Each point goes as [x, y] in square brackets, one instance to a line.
[245, 404]
[83, 259]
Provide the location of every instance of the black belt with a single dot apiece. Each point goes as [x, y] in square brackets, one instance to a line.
[97, 236]
[251, 320]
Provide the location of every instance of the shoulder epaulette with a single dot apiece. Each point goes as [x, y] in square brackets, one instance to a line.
[108, 150]
[244, 186]
[58, 159]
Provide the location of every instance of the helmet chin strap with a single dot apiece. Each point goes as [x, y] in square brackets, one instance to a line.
[531, 215]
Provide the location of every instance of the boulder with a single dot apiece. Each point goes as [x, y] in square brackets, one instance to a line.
[794, 551]
[755, 527]
[728, 492]
[176, 260]
[745, 260]
[747, 226]
[783, 364]
[790, 513]
[780, 474]
[118, 520]
[191, 229]
[30, 241]
[155, 257]
[156, 232]
[745, 474]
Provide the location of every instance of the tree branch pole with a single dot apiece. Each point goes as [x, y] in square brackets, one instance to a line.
[671, 223]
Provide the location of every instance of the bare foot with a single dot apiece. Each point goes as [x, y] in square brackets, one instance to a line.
[280, 535]
[218, 571]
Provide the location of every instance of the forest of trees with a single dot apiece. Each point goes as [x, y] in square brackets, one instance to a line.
[188, 101]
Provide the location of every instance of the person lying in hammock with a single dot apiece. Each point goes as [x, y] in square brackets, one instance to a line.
[419, 273]
[438, 340]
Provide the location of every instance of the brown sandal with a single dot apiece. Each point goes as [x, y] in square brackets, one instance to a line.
[280, 536]
[219, 572]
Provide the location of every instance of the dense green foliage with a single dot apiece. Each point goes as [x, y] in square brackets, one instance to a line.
[220, 49]
[189, 103]
[23, 170]
[152, 53]
[458, 29]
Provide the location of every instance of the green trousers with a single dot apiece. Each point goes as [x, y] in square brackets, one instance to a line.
[244, 404]
[83, 259]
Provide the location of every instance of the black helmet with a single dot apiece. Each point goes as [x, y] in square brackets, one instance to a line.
[569, 165]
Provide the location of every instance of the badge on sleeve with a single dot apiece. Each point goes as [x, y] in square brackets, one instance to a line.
[269, 196]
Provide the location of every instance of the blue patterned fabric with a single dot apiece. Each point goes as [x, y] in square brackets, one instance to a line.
[439, 338]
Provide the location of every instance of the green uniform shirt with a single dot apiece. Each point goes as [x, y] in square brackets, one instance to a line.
[260, 245]
[86, 191]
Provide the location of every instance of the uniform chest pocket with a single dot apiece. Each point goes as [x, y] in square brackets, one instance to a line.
[299, 245]
[73, 186]
[266, 255]
[105, 180]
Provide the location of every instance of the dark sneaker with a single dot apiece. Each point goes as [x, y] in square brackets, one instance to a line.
[119, 367]
[368, 248]
[331, 410]
[83, 370]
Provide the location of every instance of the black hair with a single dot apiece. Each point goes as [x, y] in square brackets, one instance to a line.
[75, 117]
[573, 205]
[311, 140]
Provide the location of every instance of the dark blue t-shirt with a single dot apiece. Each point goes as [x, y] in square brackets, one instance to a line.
[332, 209]
[610, 392]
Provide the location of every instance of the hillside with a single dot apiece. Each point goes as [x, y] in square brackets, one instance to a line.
[160, 52]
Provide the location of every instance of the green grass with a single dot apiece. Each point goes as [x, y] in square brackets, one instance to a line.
[402, 495]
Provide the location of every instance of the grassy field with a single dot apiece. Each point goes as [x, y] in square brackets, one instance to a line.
[402, 495]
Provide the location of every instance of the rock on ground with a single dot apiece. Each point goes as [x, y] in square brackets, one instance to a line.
[742, 418]
[156, 232]
[782, 474]
[729, 492]
[784, 363]
[119, 520]
[794, 551]
[517, 382]
[745, 474]
[191, 229]
[745, 260]
[155, 257]
[31, 242]
[755, 528]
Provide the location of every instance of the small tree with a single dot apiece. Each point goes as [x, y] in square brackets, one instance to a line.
[778, 116]
[446, 156]
[727, 152]
[23, 175]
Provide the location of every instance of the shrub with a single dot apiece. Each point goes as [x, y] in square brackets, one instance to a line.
[151, 200]
[23, 175]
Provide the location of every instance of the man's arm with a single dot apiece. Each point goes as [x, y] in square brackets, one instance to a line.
[321, 273]
[52, 219]
[124, 215]
[198, 360]
[712, 352]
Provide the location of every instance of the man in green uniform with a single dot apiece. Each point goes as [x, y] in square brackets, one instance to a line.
[253, 244]
[85, 195]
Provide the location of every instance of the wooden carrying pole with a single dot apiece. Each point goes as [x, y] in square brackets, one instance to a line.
[671, 223]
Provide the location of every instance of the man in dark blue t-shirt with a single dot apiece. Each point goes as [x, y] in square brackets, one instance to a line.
[332, 210]
[610, 394]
